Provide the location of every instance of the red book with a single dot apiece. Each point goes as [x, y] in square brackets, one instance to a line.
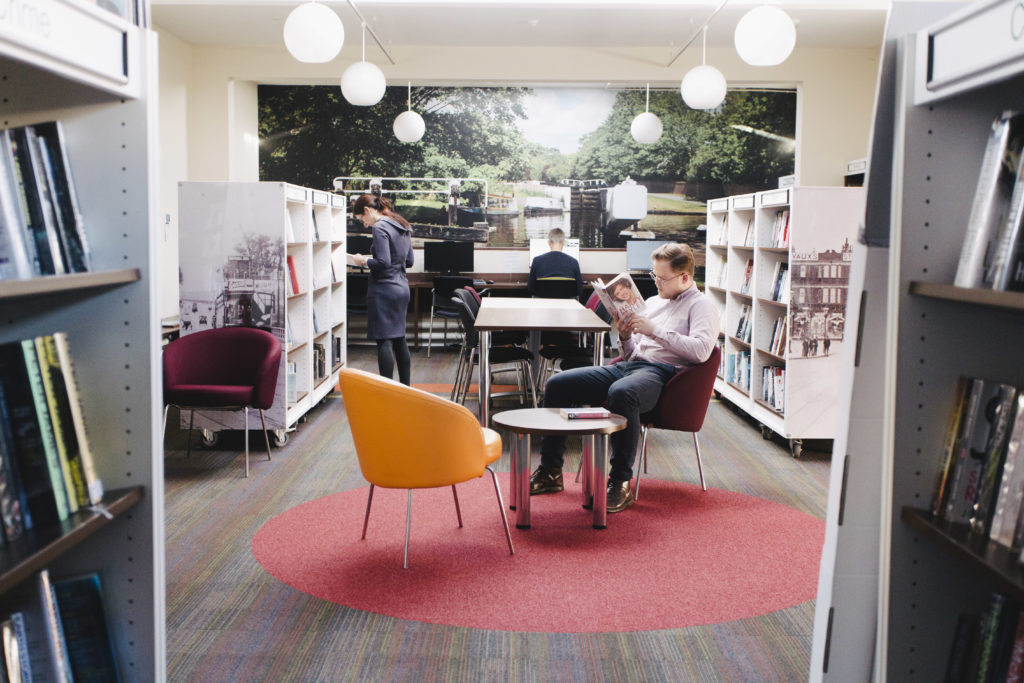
[293, 275]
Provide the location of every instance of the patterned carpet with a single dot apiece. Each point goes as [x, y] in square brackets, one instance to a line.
[228, 620]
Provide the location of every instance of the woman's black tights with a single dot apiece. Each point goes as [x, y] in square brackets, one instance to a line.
[389, 350]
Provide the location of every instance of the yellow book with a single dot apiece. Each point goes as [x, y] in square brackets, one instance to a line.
[92, 481]
[63, 423]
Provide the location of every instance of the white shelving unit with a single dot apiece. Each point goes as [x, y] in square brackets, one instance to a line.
[893, 581]
[742, 239]
[236, 241]
[96, 74]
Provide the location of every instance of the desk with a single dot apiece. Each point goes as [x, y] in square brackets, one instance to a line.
[528, 421]
[534, 316]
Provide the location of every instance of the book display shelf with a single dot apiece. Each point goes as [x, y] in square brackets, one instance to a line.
[893, 579]
[268, 255]
[95, 73]
[778, 264]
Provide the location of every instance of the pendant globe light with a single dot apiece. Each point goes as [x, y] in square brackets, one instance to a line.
[409, 126]
[646, 128]
[313, 33]
[765, 36]
[363, 83]
[703, 86]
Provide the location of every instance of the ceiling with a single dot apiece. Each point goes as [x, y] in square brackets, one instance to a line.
[527, 23]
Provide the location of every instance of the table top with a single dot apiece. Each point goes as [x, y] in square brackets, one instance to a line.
[549, 421]
[518, 313]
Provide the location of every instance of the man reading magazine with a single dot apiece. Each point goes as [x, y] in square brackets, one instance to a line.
[677, 327]
[620, 296]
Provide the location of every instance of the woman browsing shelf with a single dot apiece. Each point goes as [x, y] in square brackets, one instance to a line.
[387, 295]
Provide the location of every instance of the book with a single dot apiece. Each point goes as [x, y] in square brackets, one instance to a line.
[36, 204]
[16, 261]
[965, 636]
[44, 647]
[950, 444]
[963, 484]
[620, 296]
[83, 619]
[748, 273]
[53, 153]
[1006, 270]
[584, 413]
[62, 421]
[12, 653]
[29, 451]
[1011, 484]
[992, 466]
[21, 638]
[293, 277]
[93, 484]
[991, 202]
[49, 438]
[1015, 665]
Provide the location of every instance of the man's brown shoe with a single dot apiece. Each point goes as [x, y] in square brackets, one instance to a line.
[545, 480]
[620, 495]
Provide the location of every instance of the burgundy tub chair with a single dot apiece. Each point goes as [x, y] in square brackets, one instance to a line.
[226, 368]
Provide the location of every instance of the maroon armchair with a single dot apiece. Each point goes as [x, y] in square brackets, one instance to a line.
[682, 407]
[226, 368]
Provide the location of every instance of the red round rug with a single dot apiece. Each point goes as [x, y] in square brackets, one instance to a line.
[678, 557]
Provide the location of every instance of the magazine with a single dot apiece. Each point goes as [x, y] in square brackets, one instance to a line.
[620, 296]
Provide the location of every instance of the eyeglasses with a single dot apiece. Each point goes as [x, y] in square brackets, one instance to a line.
[664, 279]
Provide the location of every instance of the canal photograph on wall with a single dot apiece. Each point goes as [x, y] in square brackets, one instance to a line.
[517, 161]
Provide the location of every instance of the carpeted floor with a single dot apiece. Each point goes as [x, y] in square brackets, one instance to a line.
[229, 620]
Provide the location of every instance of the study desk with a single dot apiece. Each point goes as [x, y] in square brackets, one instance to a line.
[528, 421]
[533, 316]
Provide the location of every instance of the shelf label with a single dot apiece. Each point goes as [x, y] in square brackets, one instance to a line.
[320, 198]
[294, 194]
[743, 202]
[718, 204]
[987, 39]
[775, 198]
[78, 36]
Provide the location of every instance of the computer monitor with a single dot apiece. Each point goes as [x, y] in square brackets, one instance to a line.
[638, 253]
[539, 245]
[448, 257]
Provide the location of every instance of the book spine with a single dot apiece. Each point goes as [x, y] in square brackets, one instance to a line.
[21, 636]
[92, 480]
[15, 256]
[1007, 506]
[995, 452]
[83, 617]
[949, 446]
[991, 198]
[1003, 271]
[60, 418]
[965, 475]
[54, 630]
[12, 504]
[35, 380]
[32, 204]
[52, 136]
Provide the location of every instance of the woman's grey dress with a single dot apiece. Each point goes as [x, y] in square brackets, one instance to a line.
[387, 295]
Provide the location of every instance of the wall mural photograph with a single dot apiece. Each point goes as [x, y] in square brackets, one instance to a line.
[526, 159]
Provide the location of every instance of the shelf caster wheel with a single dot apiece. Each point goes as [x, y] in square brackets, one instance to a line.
[796, 447]
[207, 438]
[766, 432]
[280, 438]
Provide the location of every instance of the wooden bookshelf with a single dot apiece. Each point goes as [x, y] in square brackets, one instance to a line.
[50, 284]
[39, 547]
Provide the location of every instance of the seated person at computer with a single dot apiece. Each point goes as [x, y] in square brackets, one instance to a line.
[555, 264]
[678, 327]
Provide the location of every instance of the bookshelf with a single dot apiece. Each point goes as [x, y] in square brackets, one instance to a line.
[238, 242]
[762, 277]
[101, 86]
[893, 580]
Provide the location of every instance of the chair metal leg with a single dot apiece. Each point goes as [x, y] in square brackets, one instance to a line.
[164, 432]
[188, 438]
[408, 525]
[366, 519]
[430, 330]
[643, 456]
[533, 387]
[700, 469]
[458, 510]
[245, 412]
[501, 508]
[266, 437]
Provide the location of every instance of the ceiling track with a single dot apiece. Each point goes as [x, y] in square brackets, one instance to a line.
[695, 33]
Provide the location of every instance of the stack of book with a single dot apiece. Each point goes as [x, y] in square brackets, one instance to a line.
[737, 369]
[748, 273]
[773, 387]
[780, 229]
[41, 229]
[780, 282]
[46, 465]
[743, 329]
[778, 341]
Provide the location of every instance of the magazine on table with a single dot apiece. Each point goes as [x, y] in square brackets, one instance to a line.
[620, 296]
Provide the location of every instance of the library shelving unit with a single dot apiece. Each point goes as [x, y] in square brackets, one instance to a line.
[242, 245]
[96, 74]
[893, 580]
[783, 257]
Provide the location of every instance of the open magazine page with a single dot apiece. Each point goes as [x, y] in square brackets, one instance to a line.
[620, 296]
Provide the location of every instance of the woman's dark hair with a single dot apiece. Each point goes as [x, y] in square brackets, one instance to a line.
[380, 205]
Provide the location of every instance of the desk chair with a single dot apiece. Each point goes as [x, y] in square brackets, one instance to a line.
[682, 406]
[436, 443]
[226, 368]
[441, 306]
[355, 296]
[521, 358]
[562, 348]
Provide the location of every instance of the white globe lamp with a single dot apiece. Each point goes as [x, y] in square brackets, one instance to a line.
[646, 128]
[409, 126]
[765, 36]
[703, 87]
[313, 33]
[363, 84]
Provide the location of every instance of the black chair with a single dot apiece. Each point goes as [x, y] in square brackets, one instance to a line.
[441, 303]
[521, 358]
[562, 348]
[355, 297]
[555, 288]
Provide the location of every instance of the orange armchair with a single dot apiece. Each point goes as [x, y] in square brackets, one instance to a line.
[408, 439]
